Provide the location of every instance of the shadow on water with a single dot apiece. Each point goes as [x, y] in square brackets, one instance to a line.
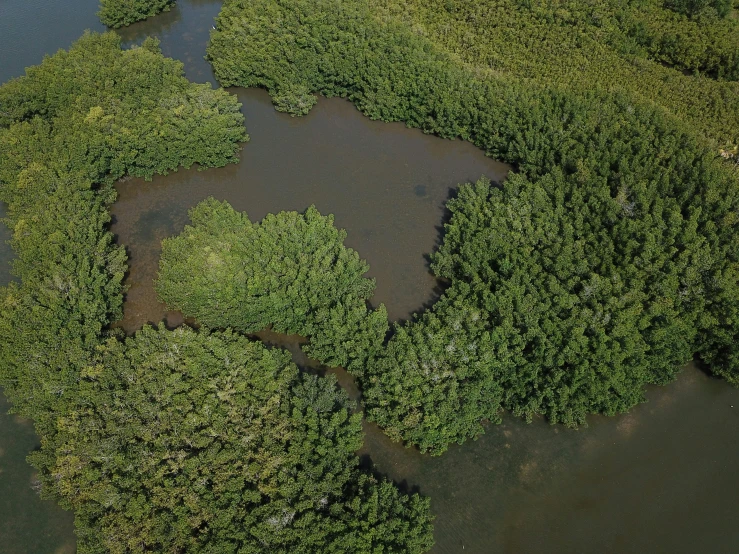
[659, 479]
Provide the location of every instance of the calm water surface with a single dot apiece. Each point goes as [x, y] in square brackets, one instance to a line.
[29, 29]
[384, 183]
[659, 479]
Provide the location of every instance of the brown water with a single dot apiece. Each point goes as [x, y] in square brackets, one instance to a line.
[384, 183]
[659, 479]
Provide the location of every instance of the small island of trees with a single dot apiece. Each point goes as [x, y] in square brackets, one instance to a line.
[290, 272]
[185, 441]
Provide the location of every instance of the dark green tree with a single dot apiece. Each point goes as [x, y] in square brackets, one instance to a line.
[692, 8]
[605, 264]
[118, 13]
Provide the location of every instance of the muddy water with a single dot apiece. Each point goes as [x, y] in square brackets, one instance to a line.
[384, 183]
[659, 479]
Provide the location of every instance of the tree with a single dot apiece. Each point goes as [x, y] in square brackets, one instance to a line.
[605, 264]
[118, 13]
[290, 271]
[190, 441]
[68, 129]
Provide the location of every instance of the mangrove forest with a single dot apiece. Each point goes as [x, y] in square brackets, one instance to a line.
[606, 261]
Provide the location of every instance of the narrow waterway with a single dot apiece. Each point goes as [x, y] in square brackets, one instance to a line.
[659, 479]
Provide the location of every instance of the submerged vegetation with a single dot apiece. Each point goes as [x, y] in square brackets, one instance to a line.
[605, 264]
[119, 13]
[167, 441]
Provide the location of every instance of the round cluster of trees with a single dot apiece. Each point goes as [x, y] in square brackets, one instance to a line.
[290, 272]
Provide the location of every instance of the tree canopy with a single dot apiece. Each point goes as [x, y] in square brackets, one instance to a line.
[290, 271]
[184, 441]
[688, 67]
[68, 129]
[603, 265]
[118, 13]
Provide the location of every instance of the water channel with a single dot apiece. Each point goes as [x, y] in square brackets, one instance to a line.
[659, 479]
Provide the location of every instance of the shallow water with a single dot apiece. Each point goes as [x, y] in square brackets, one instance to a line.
[659, 479]
[27, 523]
[384, 183]
[29, 29]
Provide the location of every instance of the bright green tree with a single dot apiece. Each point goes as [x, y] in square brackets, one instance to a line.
[290, 271]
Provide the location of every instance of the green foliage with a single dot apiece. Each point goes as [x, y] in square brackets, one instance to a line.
[439, 377]
[117, 13]
[283, 45]
[290, 271]
[721, 8]
[547, 313]
[608, 44]
[72, 126]
[125, 111]
[68, 129]
[171, 441]
[605, 264]
[195, 442]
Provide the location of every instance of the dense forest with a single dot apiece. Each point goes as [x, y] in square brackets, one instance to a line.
[687, 64]
[118, 13]
[70, 128]
[606, 263]
[165, 441]
[235, 450]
